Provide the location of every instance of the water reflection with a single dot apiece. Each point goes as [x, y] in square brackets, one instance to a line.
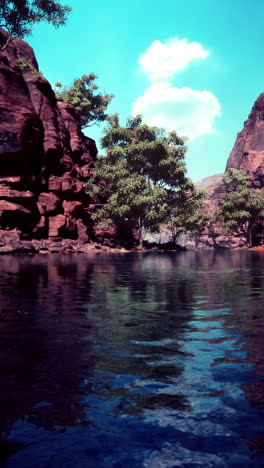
[160, 355]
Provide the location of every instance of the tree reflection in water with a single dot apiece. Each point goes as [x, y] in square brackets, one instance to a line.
[87, 341]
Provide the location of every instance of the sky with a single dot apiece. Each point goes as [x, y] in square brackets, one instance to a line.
[194, 66]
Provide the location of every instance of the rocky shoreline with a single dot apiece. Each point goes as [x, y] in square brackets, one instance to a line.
[47, 246]
[68, 246]
[9, 244]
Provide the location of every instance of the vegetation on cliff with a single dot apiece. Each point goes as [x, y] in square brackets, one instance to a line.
[24, 65]
[241, 210]
[18, 16]
[143, 182]
[84, 96]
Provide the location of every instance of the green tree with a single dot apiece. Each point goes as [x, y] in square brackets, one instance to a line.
[84, 96]
[142, 172]
[149, 151]
[127, 198]
[185, 212]
[18, 16]
[242, 209]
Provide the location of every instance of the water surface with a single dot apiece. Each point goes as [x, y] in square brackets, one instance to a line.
[149, 360]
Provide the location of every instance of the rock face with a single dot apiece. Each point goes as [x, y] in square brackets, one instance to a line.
[212, 237]
[213, 186]
[44, 156]
[247, 155]
[248, 151]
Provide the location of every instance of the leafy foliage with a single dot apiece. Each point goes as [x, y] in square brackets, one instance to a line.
[147, 150]
[141, 177]
[18, 16]
[186, 212]
[24, 65]
[130, 199]
[241, 209]
[83, 95]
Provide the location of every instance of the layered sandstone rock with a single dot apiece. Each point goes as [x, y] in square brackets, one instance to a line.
[44, 156]
[247, 155]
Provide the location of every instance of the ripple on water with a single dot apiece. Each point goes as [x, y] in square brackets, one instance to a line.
[134, 360]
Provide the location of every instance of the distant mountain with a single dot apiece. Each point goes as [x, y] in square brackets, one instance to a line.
[209, 182]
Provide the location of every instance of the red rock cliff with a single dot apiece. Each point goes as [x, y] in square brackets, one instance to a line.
[247, 155]
[248, 151]
[44, 156]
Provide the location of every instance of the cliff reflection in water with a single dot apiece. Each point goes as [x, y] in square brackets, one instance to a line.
[41, 346]
[50, 309]
[171, 341]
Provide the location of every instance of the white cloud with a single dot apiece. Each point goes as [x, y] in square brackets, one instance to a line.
[191, 113]
[162, 61]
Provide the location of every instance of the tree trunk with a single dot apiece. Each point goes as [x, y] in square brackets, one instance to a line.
[140, 230]
[250, 237]
[9, 39]
[140, 244]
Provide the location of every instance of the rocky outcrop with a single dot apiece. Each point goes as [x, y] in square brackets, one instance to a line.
[248, 151]
[212, 237]
[247, 155]
[44, 156]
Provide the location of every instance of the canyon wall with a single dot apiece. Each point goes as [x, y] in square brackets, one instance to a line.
[44, 156]
[247, 155]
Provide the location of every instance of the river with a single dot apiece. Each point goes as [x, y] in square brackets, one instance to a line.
[138, 360]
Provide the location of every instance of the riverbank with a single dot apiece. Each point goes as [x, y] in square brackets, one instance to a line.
[47, 246]
[65, 246]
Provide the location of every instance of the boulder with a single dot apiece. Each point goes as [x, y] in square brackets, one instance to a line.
[55, 224]
[49, 202]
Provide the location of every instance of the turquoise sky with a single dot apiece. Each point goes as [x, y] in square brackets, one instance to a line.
[168, 84]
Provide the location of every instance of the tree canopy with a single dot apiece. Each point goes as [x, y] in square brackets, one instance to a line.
[148, 150]
[127, 198]
[84, 96]
[18, 16]
[141, 177]
[242, 209]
